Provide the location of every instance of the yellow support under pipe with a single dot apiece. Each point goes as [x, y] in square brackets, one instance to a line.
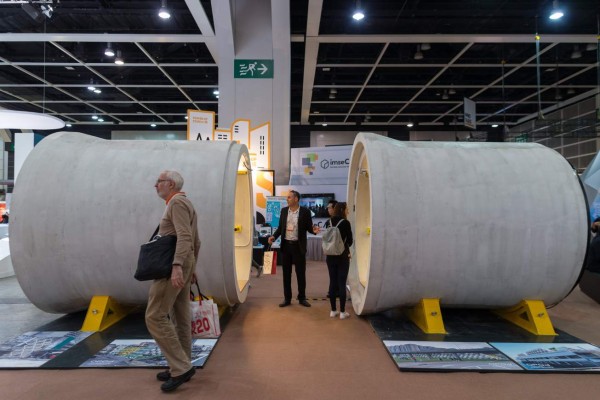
[530, 315]
[427, 315]
[102, 313]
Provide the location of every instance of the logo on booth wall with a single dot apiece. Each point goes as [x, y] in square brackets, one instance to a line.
[307, 163]
[324, 164]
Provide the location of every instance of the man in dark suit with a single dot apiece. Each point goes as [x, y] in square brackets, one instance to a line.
[294, 223]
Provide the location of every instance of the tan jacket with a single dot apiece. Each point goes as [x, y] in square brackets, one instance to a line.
[180, 219]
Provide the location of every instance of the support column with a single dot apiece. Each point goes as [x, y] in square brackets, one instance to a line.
[256, 30]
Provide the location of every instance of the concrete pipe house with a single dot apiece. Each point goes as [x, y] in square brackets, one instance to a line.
[82, 206]
[479, 225]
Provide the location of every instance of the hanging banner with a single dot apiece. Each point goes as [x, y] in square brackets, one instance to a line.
[200, 125]
[470, 116]
[320, 165]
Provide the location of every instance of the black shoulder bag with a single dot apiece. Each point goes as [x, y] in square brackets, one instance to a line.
[156, 257]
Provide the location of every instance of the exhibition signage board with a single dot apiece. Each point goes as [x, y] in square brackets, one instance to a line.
[320, 165]
[470, 116]
[201, 125]
[257, 139]
[263, 188]
[253, 69]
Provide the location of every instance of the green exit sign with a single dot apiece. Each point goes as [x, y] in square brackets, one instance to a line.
[253, 69]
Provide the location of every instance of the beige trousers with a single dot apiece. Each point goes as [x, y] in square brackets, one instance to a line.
[168, 320]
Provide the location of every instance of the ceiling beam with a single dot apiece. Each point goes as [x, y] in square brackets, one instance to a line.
[199, 14]
[105, 37]
[453, 38]
[311, 51]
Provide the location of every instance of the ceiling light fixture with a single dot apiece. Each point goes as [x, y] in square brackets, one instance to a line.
[445, 95]
[418, 54]
[591, 46]
[576, 52]
[68, 125]
[97, 91]
[118, 59]
[91, 87]
[94, 116]
[494, 125]
[215, 92]
[425, 46]
[164, 12]
[109, 52]
[410, 124]
[100, 119]
[571, 91]
[358, 12]
[556, 12]
[451, 90]
[153, 125]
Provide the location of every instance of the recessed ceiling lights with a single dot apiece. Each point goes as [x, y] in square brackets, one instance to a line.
[358, 12]
[164, 12]
[358, 15]
[109, 51]
[118, 59]
[418, 55]
[556, 12]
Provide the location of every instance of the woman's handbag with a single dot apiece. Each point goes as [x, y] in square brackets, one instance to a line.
[205, 317]
[156, 257]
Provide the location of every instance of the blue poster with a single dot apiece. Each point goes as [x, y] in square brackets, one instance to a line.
[274, 206]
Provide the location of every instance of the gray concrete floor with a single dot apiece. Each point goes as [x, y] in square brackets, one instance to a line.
[17, 314]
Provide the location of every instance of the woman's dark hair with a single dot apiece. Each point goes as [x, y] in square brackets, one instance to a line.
[340, 209]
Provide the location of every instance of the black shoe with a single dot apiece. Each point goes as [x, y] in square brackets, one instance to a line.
[304, 303]
[163, 376]
[175, 381]
[285, 304]
[166, 375]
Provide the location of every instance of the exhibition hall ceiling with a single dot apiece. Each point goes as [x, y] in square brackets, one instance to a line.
[407, 61]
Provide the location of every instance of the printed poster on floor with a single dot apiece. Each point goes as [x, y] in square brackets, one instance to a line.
[34, 349]
[144, 353]
[473, 356]
[553, 356]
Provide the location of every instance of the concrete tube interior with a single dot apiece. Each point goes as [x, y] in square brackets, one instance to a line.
[479, 225]
[81, 237]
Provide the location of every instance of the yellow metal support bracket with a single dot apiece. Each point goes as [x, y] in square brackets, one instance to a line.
[427, 315]
[530, 315]
[102, 313]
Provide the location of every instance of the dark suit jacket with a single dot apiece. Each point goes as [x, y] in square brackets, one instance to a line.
[305, 225]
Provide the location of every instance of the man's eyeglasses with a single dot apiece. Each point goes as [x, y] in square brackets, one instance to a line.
[162, 180]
